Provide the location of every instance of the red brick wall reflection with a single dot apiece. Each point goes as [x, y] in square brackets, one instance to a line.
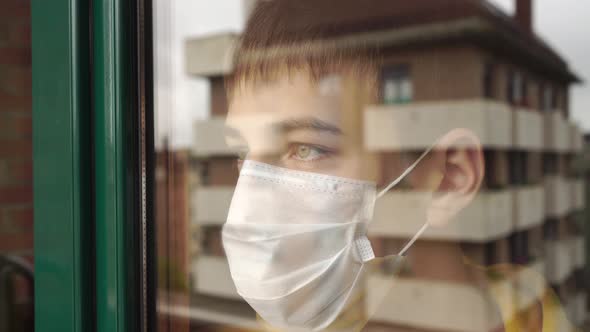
[16, 173]
[16, 192]
[172, 218]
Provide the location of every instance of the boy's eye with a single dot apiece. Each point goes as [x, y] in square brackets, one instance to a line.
[306, 152]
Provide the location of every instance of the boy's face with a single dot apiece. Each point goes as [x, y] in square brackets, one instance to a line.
[298, 123]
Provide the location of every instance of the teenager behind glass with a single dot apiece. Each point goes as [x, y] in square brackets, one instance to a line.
[295, 235]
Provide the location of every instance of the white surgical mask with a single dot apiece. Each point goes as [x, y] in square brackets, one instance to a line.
[296, 242]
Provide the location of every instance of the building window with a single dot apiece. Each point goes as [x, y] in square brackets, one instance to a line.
[517, 89]
[490, 253]
[555, 99]
[396, 85]
[488, 81]
[550, 229]
[550, 164]
[547, 99]
[518, 167]
[497, 171]
[519, 248]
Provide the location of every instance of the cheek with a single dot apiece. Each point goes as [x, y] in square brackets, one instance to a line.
[370, 166]
[358, 164]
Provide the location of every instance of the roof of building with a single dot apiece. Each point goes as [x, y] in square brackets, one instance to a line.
[328, 19]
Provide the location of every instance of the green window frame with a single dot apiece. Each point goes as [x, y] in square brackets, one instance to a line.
[86, 175]
[61, 166]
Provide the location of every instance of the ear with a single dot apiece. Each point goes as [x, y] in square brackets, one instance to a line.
[460, 154]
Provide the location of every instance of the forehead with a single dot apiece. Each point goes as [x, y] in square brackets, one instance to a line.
[337, 98]
[288, 95]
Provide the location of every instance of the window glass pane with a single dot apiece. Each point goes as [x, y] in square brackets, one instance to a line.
[488, 81]
[406, 90]
[16, 174]
[517, 86]
[322, 162]
[396, 84]
[390, 91]
[548, 99]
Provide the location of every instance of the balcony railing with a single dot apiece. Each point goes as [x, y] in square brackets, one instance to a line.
[418, 125]
[211, 276]
[559, 264]
[529, 209]
[435, 304]
[578, 194]
[528, 130]
[557, 132]
[212, 55]
[557, 196]
[401, 214]
[210, 204]
[209, 139]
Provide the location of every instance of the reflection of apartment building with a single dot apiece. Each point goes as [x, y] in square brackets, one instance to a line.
[172, 181]
[448, 64]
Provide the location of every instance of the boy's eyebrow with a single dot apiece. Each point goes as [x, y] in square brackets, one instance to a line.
[311, 123]
[287, 125]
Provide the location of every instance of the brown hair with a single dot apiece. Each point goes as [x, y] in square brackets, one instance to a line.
[286, 36]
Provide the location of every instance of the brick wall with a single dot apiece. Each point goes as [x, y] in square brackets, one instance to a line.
[172, 200]
[16, 193]
[173, 231]
[442, 73]
[218, 96]
[16, 173]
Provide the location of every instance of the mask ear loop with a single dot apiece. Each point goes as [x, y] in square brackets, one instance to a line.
[398, 180]
[405, 173]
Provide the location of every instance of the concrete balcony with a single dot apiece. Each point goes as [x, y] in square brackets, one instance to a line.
[559, 263]
[211, 276]
[557, 196]
[417, 126]
[209, 139]
[575, 309]
[530, 285]
[529, 209]
[399, 214]
[435, 305]
[528, 129]
[557, 132]
[580, 311]
[211, 55]
[210, 205]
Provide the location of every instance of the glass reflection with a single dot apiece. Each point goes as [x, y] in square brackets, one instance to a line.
[312, 100]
